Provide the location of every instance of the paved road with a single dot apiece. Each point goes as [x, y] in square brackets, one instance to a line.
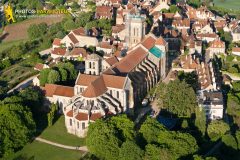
[23, 84]
[83, 148]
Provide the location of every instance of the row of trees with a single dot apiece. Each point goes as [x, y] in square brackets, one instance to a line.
[115, 137]
[18, 120]
[61, 74]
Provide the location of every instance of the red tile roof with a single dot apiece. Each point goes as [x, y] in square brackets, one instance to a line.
[112, 60]
[236, 49]
[131, 60]
[73, 38]
[95, 89]
[149, 42]
[85, 79]
[80, 31]
[59, 51]
[82, 116]
[79, 51]
[58, 90]
[95, 116]
[70, 113]
[57, 42]
[161, 41]
[39, 66]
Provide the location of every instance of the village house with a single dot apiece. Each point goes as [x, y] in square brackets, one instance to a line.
[80, 38]
[236, 51]
[236, 34]
[212, 103]
[104, 12]
[215, 47]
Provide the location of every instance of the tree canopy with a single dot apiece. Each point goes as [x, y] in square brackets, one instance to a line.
[216, 129]
[17, 127]
[177, 97]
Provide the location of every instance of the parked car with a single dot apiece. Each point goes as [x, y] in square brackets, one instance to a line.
[145, 102]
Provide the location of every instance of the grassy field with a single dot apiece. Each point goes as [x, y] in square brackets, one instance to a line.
[58, 133]
[228, 4]
[42, 151]
[6, 45]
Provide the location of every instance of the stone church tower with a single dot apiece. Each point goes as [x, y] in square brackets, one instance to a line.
[135, 27]
[93, 64]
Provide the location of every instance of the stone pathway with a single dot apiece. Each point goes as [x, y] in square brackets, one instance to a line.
[82, 148]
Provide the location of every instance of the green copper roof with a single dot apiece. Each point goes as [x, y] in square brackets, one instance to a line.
[156, 52]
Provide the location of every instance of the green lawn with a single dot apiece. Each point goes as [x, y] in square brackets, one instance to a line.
[58, 133]
[42, 151]
[5, 45]
[228, 4]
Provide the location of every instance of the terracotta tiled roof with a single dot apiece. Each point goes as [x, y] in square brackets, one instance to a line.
[105, 45]
[59, 51]
[53, 89]
[57, 42]
[182, 23]
[80, 31]
[39, 66]
[78, 51]
[217, 44]
[85, 79]
[149, 42]
[112, 60]
[73, 38]
[82, 116]
[95, 89]
[70, 113]
[210, 35]
[161, 41]
[114, 81]
[168, 15]
[236, 49]
[118, 28]
[95, 116]
[131, 60]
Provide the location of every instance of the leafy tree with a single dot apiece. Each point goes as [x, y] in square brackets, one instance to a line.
[57, 2]
[32, 4]
[184, 124]
[136, 152]
[52, 114]
[194, 3]
[69, 67]
[17, 128]
[84, 18]
[150, 129]
[200, 120]
[44, 76]
[177, 98]
[102, 140]
[54, 77]
[173, 9]
[230, 145]
[37, 30]
[179, 144]
[216, 129]
[64, 74]
[153, 152]
[236, 86]
[237, 134]
[32, 98]
[69, 25]
[6, 63]
[125, 126]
